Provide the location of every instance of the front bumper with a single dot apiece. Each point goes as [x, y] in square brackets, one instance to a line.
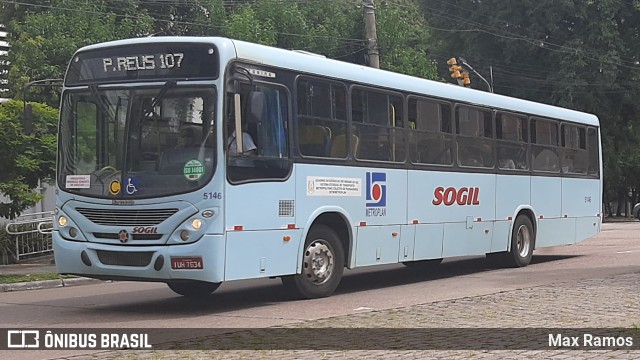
[139, 263]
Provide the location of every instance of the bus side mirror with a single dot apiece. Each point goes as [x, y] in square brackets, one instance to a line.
[237, 76]
[257, 105]
[27, 119]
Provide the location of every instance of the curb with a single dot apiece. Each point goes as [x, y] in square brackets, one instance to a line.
[47, 284]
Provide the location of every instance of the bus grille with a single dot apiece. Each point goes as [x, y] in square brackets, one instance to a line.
[127, 217]
[116, 236]
[138, 259]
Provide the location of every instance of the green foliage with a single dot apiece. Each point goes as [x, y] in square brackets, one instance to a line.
[12, 279]
[42, 42]
[576, 54]
[7, 247]
[404, 41]
[44, 34]
[243, 24]
[25, 158]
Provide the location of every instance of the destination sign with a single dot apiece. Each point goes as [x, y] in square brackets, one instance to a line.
[144, 62]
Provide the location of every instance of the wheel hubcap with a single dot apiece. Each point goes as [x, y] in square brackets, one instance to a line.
[318, 262]
[523, 241]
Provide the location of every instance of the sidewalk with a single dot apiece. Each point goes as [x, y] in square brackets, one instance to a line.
[39, 265]
[513, 319]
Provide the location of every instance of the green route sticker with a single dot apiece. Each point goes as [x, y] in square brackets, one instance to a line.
[193, 170]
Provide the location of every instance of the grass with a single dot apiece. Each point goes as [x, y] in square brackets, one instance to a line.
[12, 279]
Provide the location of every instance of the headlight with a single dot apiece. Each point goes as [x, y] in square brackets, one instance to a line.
[196, 224]
[62, 221]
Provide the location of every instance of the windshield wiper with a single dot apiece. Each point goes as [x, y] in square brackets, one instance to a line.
[148, 111]
[96, 96]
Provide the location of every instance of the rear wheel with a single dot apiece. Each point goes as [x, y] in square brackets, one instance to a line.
[193, 288]
[522, 242]
[322, 265]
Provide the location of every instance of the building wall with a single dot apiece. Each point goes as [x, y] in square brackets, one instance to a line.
[4, 48]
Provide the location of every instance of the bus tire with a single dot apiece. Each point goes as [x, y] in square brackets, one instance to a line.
[522, 243]
[193, 288]
[322, 265]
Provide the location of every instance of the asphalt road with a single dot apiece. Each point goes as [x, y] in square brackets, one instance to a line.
[263, 303]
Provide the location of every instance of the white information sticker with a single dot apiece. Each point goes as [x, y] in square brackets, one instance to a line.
[78, 181]
[333, 186]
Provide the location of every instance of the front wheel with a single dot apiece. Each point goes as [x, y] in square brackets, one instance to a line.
[193, 288]
[322, 265]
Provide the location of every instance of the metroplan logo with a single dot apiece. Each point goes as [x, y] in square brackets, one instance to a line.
[376, 195]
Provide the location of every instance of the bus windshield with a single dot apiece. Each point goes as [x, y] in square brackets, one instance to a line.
[136, 143]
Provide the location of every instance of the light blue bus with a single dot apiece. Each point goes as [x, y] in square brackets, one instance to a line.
[338, 166]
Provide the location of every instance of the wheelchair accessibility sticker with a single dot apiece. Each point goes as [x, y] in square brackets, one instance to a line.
[132, 186]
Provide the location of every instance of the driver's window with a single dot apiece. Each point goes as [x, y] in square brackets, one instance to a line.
[265, 113]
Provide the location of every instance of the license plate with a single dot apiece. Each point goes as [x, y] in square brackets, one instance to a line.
[186, 263]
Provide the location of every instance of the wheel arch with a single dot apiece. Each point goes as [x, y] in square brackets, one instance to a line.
[528, 212]
[336, 219]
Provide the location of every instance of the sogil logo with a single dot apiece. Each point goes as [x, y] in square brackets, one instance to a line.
[376, 195]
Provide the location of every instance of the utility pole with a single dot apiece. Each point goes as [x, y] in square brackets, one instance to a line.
[370, 31]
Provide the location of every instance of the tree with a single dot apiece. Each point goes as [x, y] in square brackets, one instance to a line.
[44, 34]
[335, 28]
[575, 54]
[42, 42]
[405, 41]
[26, 159]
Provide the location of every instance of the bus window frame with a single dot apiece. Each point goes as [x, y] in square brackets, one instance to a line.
[491, 139]
[300, 78]
[256, 159]
[526, 141]
[440, 132]
[389, 93]
[564, 148]
[598, 159]
[557, 146]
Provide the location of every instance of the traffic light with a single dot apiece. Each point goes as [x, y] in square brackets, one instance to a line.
[466, 81]
[454, 68]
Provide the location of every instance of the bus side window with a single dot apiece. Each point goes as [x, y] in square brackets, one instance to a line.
[265, 117]
[381, 133]
[430, 141]
[574, 149]
[512, 138]
[474, 134]
[321, 121]
[544, 146]
[594, 152]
